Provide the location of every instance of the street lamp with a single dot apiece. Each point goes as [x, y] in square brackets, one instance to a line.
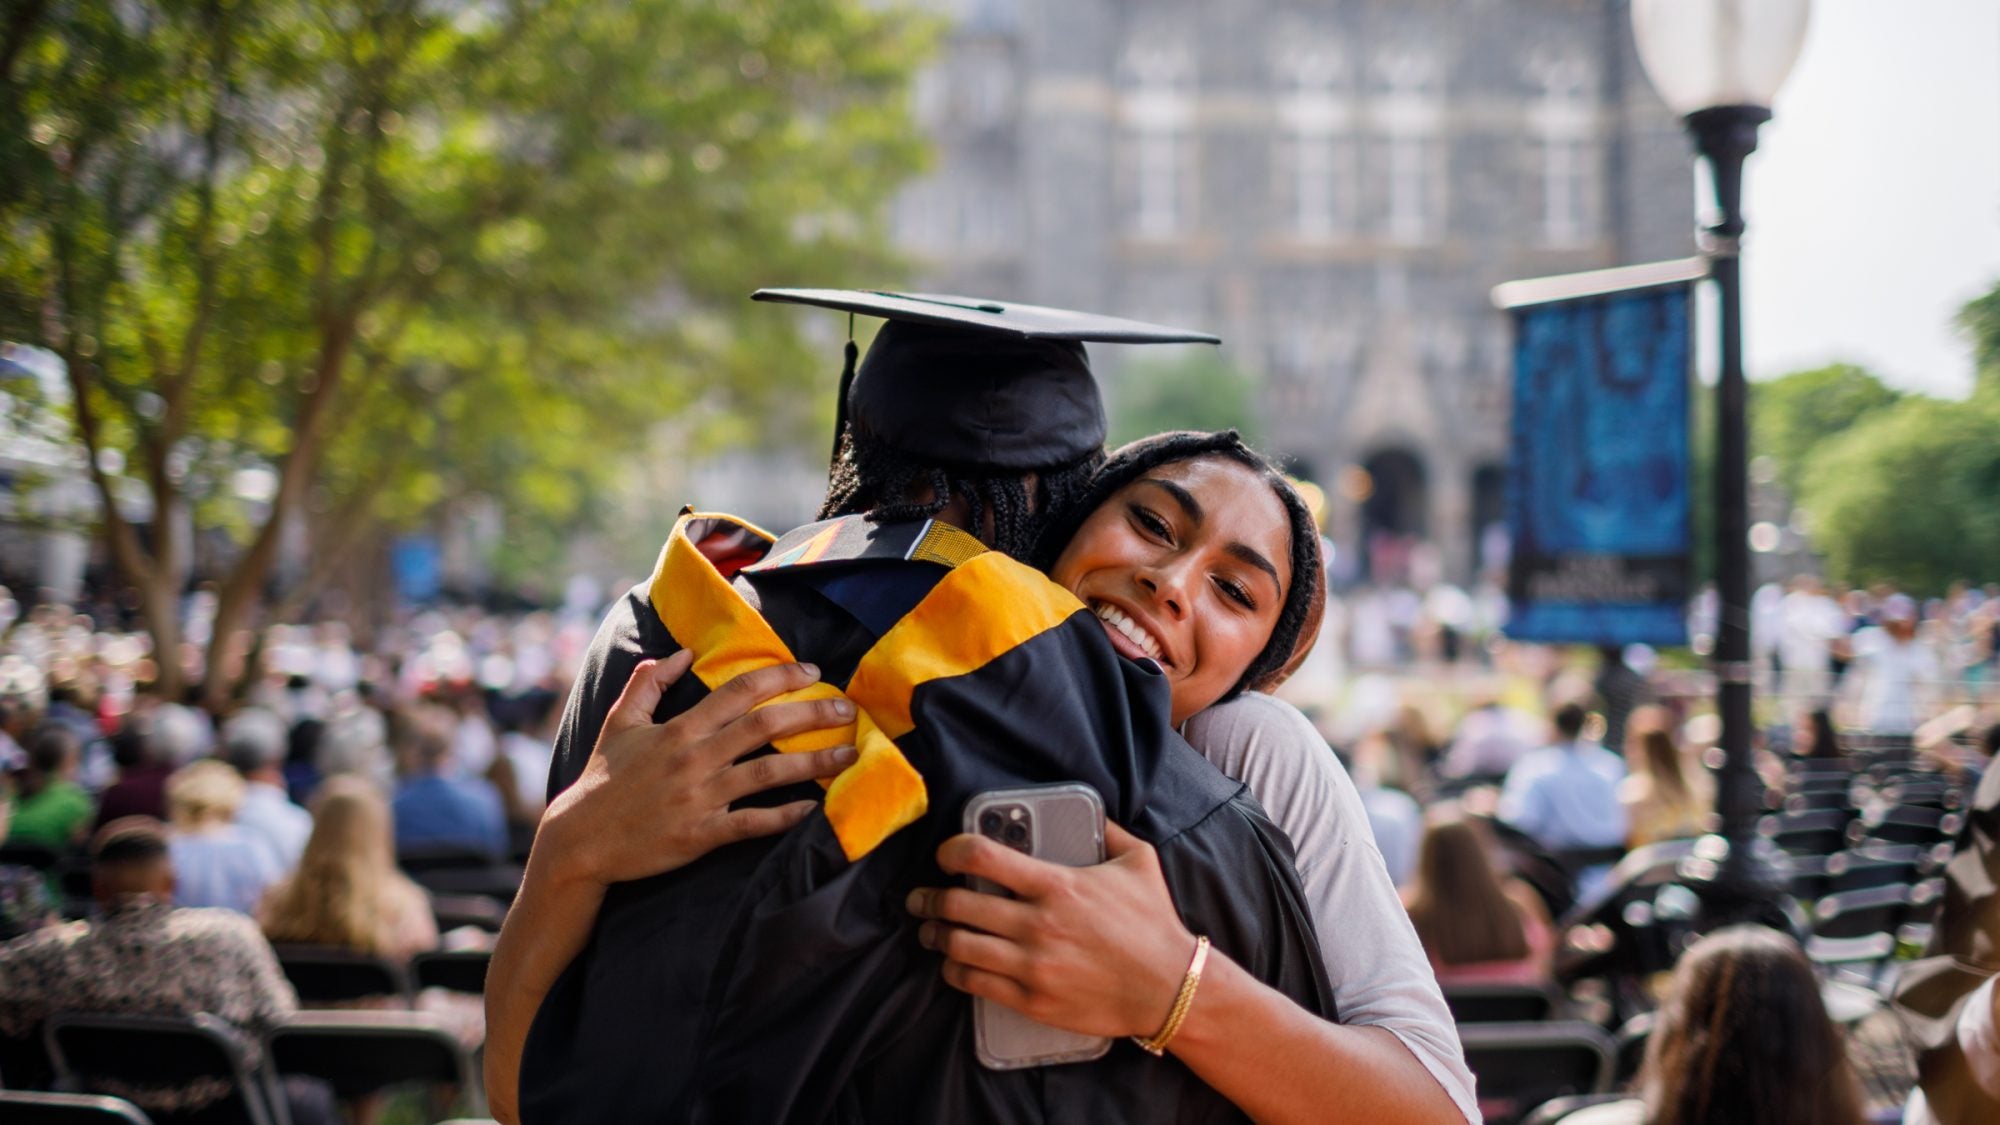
[1719, 63]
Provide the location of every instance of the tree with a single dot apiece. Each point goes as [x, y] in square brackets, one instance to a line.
[1196, 391]
[1793, 415]
[391, 251]
[1908, 494]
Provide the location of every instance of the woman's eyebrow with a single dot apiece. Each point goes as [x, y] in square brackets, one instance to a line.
[1181, 496]
[1256, 558]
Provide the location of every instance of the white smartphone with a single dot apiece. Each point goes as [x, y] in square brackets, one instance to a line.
[1061, 823]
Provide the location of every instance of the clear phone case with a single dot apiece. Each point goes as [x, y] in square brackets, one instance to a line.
[1061, 823]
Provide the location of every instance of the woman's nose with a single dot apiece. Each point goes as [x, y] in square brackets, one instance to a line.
[1165, 587]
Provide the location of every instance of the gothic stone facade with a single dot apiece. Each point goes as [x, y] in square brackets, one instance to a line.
[1334, 187]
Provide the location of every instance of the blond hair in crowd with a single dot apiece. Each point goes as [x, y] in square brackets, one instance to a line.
[347, 890]
[203, 794]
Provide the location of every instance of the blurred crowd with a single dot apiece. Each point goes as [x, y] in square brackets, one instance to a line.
[379, 797]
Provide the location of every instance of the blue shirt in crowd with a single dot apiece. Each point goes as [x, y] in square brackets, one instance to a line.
[435, 811]
[223, 866]
[1566, 796]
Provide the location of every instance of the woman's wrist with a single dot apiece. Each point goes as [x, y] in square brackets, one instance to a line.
[1168, 972]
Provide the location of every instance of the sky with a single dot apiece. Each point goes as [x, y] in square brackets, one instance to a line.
[1873, 200]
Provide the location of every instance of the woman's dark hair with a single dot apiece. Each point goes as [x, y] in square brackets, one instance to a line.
[872, 477]
[1457, 901]
[1744, 1037]
[1305, 601]
[1822, 741]
[51, 749]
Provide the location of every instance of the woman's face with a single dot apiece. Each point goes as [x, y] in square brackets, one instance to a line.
[1187, 566]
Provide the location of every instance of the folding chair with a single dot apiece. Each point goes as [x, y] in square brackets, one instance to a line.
[496, 880]
[481, 911]
[1631, 1040]
[1521, 1065]
[1859, 871]
[419, 861]
[139, 1052]
[23, 1107]
[1499, 1003]
[362, 1053]
[324, 974]
[1552, 1112]
[24, 1061]
[452, 970]
[1812, 833]
[1906, 824]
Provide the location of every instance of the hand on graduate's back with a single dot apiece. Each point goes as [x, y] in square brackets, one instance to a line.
[1096, 950]
[656, 796]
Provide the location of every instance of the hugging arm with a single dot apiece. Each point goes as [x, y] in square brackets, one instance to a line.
[1102, 950]
[651, 798]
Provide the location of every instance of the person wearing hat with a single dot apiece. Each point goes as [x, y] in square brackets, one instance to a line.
[774, 978]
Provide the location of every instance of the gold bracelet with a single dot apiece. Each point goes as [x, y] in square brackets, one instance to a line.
[1157, 1045]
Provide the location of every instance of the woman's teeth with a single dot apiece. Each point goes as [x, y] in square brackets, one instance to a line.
[1129, 629]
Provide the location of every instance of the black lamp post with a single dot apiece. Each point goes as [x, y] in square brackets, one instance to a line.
[1719, 63]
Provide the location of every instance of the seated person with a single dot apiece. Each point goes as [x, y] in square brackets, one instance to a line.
[1664, 798]
[49, 806]
[347, 891]
[254, 740]
[1477, 925]
[141, 788]
[434, 808]
[1743, 1039]
[145, 955]
[27, 903]
[216, 862]
[1565, 797]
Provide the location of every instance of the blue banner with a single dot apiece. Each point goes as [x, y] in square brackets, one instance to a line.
[418, 565]
[1599, 470]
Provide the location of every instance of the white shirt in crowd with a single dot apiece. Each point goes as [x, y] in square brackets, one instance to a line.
[1896, 677]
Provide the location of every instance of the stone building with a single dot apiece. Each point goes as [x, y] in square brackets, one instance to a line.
[1332, 186]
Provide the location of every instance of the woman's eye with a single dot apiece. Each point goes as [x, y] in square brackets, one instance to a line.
[1235, 592]
[1152, 523]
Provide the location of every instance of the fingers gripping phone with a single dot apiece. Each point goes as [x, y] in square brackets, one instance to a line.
[1062, 823]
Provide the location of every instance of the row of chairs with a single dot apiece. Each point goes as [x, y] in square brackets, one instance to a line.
[330, 975]
[357, 1054]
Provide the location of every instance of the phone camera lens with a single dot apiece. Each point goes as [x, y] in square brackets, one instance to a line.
[989, 824]
[1016, 833]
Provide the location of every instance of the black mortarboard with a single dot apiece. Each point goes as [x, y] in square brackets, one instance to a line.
[963, 381]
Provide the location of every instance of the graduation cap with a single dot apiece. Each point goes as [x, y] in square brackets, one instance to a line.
[964, 381]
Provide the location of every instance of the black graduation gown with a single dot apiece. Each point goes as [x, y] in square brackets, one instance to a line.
[1964, 951]
[775, 980]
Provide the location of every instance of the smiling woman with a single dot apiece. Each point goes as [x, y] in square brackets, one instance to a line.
[1198, 555]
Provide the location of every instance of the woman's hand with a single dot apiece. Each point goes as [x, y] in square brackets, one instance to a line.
[1095, 950]
[656, 796]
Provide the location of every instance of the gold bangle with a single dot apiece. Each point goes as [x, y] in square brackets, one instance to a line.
[1157, 1045]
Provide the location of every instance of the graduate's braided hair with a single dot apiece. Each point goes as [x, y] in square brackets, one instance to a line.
[876, 479]
[1305, 602]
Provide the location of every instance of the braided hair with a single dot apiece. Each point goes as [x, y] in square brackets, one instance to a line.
[875, 479]
[1305, 601]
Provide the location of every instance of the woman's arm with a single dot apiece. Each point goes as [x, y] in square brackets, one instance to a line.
[1101, 951]
[653, 797]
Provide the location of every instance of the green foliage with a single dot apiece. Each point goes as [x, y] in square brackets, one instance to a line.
[403, 251]
[1791, 416]
[1908, 495]
[1980, 320]
[1195, 391]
